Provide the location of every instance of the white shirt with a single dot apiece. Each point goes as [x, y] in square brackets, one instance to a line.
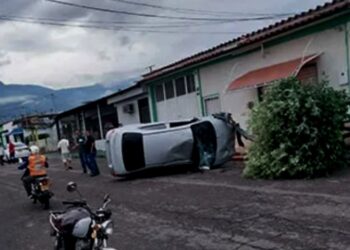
[63, 144]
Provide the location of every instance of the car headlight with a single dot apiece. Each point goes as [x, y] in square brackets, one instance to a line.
[107, 227]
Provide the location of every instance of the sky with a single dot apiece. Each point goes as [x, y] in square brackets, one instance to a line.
[74, 55]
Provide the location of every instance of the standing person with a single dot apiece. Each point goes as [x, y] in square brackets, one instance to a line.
[90, 151]
[11, 152]
[63, 146]
[2, 152]
[81, 146]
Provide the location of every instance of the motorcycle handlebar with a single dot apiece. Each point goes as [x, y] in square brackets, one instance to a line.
[105, 204]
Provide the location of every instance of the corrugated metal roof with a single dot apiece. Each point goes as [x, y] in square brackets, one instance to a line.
[312, 15]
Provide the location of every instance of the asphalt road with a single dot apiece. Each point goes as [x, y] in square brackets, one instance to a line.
[217, 209]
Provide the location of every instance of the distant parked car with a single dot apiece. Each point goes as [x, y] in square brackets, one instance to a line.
[21, 151]
[208, 141]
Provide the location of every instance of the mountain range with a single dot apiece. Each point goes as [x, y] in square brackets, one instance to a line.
[19, 100]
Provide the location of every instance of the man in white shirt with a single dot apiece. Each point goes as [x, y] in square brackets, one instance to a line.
[63, 146]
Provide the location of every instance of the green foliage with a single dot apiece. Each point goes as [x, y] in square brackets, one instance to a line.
[298, 131]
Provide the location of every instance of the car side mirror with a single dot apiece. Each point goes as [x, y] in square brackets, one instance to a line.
[71, 186]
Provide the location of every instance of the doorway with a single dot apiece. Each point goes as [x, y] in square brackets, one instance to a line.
[144, 112]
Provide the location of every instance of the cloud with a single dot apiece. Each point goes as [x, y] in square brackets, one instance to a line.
[4, 59]
[73, 56]
[124, 40]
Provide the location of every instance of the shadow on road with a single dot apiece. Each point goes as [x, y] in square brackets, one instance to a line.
[159, 172]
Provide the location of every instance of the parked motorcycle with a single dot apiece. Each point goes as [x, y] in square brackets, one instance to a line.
[41, 191]
[79, 227]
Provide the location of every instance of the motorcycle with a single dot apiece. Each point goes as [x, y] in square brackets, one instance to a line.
[41, 191]
[79, 227]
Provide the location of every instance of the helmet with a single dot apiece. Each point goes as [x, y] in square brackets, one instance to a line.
[34, 149]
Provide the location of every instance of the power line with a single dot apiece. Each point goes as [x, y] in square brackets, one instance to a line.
[160, 16]
[196, 11]
[91, 21]
[115, 28]
[125, 24]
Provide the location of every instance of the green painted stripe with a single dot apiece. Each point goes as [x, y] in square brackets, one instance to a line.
[201, 101]
[347, 52]
[151, 91]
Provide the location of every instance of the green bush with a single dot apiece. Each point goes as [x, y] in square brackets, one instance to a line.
[298, 131]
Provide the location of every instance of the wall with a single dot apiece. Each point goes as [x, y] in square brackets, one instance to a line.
[177, 108]
[125, 118]
[215, 78]
[183, 105]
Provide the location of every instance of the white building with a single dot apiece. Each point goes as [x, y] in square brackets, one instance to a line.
[132, 105]
[123, 107]
[313, 45]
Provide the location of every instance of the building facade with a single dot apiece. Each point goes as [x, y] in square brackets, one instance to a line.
[124, 107]
[131, 105]
[231, 77]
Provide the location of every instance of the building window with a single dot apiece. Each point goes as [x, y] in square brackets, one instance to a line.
[191, 87]
[159, 93]
[169, 89]
[180, 86]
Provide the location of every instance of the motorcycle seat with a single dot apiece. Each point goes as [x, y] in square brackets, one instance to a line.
[65, 221]
[41, 178]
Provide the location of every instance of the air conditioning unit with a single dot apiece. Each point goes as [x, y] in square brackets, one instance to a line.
[129, 108]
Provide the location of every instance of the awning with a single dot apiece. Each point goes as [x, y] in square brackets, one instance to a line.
[272, 73]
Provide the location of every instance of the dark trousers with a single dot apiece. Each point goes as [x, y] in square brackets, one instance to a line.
[12, 157]
[91, 163]
[28, 180]
[1, 160]
[83, 162]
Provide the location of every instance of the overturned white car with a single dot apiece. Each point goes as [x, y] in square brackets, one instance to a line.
[208, 141]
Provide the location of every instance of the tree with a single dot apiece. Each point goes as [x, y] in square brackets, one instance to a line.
[298, 131]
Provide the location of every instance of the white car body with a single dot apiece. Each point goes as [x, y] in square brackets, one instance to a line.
[21, 151]
[132, 148]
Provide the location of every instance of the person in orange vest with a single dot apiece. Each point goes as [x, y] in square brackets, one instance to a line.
[35, 166]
